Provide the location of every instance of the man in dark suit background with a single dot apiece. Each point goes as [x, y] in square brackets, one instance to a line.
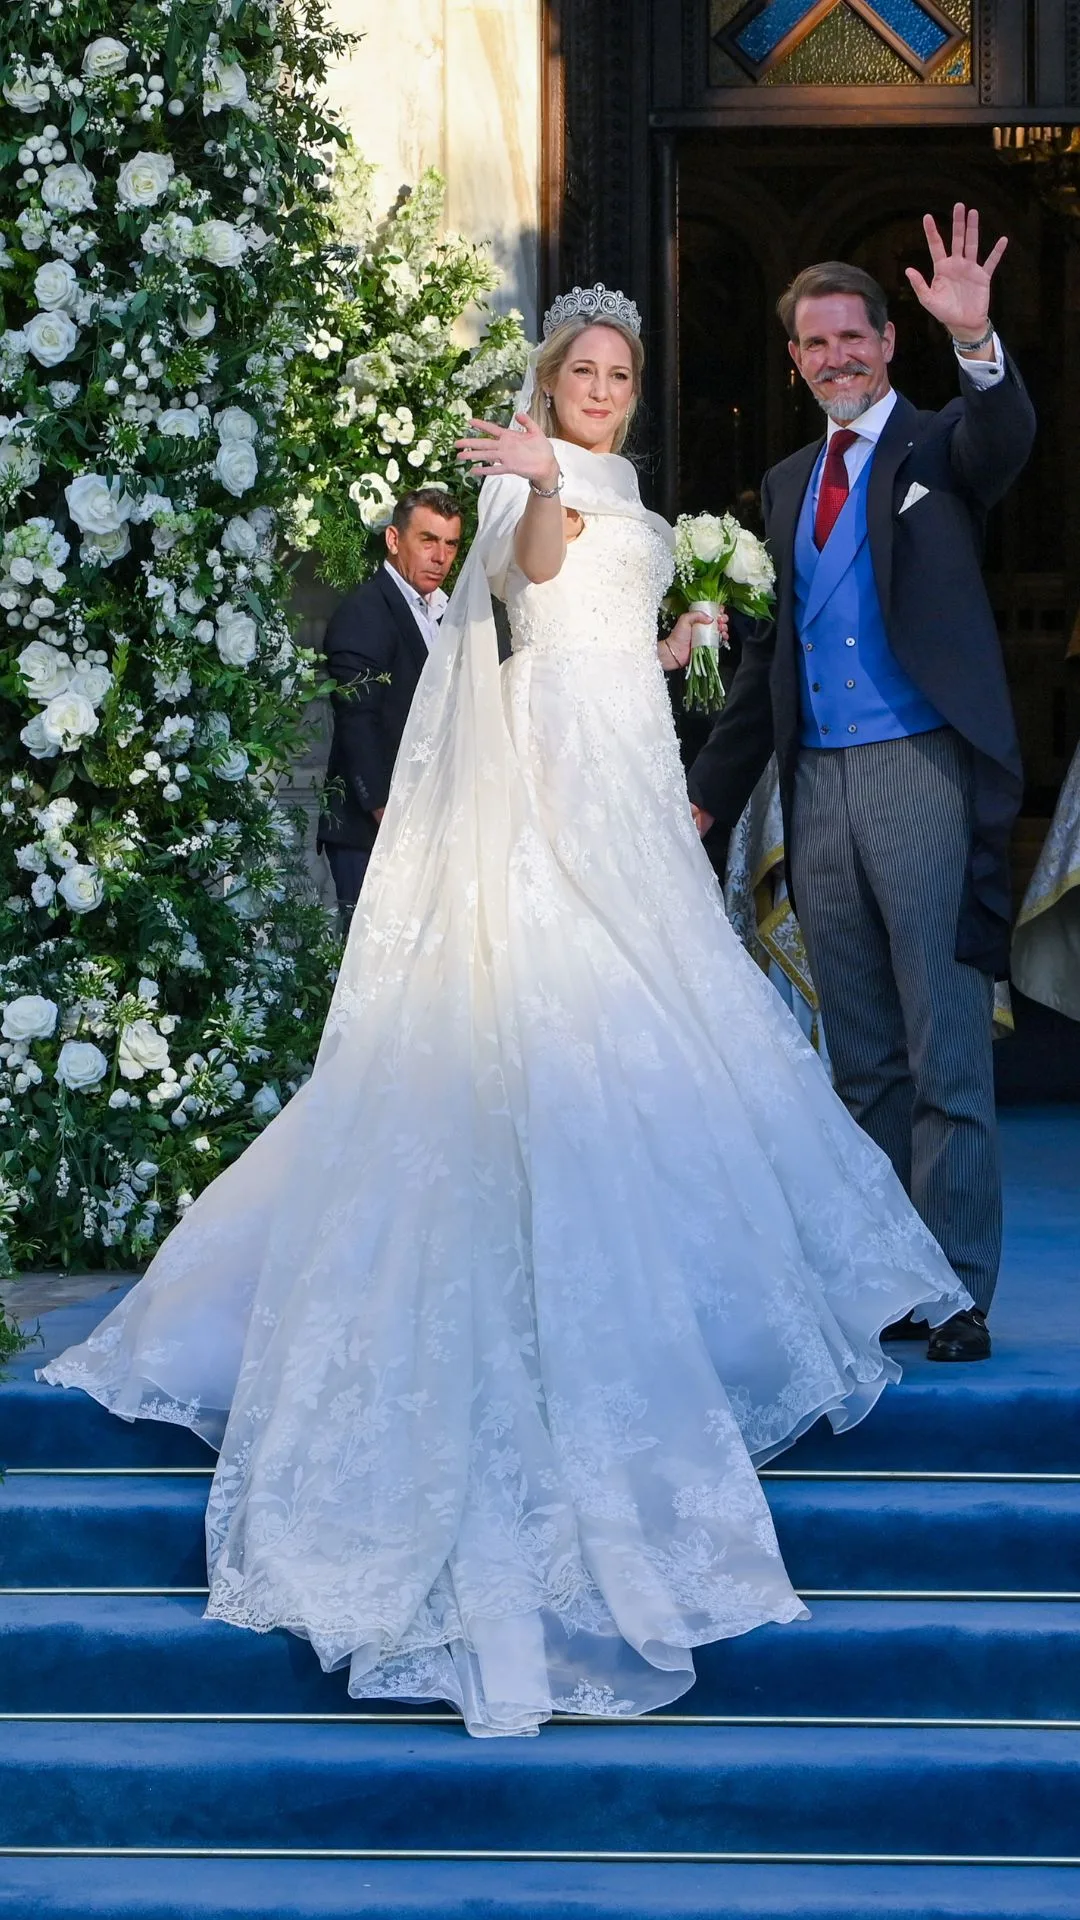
[376, 645]
[882, 688]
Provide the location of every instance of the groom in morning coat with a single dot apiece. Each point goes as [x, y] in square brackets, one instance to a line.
[882, 689]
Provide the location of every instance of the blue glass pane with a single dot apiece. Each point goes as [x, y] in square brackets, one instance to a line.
[914, 25]
[763, 35]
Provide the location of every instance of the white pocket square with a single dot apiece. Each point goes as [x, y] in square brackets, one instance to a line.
[914, 493]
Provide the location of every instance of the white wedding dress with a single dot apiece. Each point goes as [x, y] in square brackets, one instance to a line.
[566, 1231]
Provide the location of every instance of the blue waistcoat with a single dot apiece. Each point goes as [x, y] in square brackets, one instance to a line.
[852, 687]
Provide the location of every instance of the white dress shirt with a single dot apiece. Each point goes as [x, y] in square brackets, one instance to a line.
[869, 425]
[427, 609]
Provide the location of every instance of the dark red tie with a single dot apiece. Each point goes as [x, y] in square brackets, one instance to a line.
[834, 485]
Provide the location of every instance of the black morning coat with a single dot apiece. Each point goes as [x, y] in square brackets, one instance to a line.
[376, 653]
[928, 568]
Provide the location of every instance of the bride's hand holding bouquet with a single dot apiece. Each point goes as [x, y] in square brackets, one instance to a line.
[718, 564]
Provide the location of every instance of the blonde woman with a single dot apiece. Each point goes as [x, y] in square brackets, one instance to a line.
[567, 1229]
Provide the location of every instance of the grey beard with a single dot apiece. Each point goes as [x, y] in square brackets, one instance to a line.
[844, 409]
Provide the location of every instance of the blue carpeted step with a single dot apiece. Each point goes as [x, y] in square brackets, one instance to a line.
[969, 1660]
[147, 1530]
[656, 1788]
[490, 1890]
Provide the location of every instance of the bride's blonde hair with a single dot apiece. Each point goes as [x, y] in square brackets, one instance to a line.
[556, 349]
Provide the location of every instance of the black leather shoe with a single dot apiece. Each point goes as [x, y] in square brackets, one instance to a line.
[964, 1337]
[906, 1329]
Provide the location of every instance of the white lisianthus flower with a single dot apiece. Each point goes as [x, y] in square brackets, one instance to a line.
[240, 538]
[142, 180]
[237, 466]
[33, 739]
[57, 815]
[51, 337]
[225, 85]
[68, 189]
[68, 719]
[179, 423]
[96, 504]
[63, 393]
[237, 639]
[220, 242]
[43, 891]
[30, 1017]
[21, 94]
[232, 765]
[56, 285]
[31, 858]
[265, 1103]
[197, 322]
[45, 670]
[103, 59]
[81, 1065]
[82, 888]
[233, 423]
[142, 1050]
[750, 564]
[104, 548]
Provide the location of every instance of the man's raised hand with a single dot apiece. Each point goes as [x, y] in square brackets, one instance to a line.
[959, 293]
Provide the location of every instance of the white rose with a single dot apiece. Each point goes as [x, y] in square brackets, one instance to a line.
[104, 548]
[237, 466]
[30, 1017]
[56, 285]
[707, 537]
[233, 423]
[51, 337]
[237, 639]
[750, 564]
[197, 322]
[220, 242]
[96, 504]
[82, 888]
[22, 95]
[224, 85]
[265, 1104]
[240, 538]
[94, 684]
[19, 459]
[68, 718]
[43, 891]
[179, 423]
[33, 739]
[104, 58]
[142, 181]
[45, 670]
[374, 499]
[68, 189]
[81, 1065]
[232, 765]
[142, 1050]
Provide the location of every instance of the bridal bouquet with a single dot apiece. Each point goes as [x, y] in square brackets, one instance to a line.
[718, 563]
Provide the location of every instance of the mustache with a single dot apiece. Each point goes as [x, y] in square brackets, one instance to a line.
[839, 373]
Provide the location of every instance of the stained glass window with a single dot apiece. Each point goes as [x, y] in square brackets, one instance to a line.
[841, 42]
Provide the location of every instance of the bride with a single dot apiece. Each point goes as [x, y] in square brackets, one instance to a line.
[567, 1231]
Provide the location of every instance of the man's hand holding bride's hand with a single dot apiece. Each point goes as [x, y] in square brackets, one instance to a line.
[522, 449]
[676, 647]
[702, 820]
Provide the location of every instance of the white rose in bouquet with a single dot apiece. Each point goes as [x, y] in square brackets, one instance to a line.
[51, 337]
[240, 539]
[21, 94]
[30, 1017]
[45, 670]
[103, 59]
[82, 888]
[142, 181]
[708, 537]
[750, 564]
[233, 423]
[197, 322]
[68, 719]
[142, 1050]
[237, 639]
[225, 85]
[81, 1065]
[96, 504]
[56, 285]
[179, 423]
[33, 739]
[68, 189]
[233, 765]
[237, 466]
[104, 548]
[220, 242]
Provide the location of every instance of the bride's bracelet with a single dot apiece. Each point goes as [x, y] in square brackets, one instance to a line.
[547, 493]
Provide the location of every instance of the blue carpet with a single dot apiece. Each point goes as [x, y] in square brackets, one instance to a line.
[993, 1787]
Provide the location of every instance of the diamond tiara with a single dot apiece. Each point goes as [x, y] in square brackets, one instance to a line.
[592, 303]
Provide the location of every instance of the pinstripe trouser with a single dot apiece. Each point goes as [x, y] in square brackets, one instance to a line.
[879, 849]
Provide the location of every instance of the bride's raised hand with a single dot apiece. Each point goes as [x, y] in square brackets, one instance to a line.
[522, 449]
